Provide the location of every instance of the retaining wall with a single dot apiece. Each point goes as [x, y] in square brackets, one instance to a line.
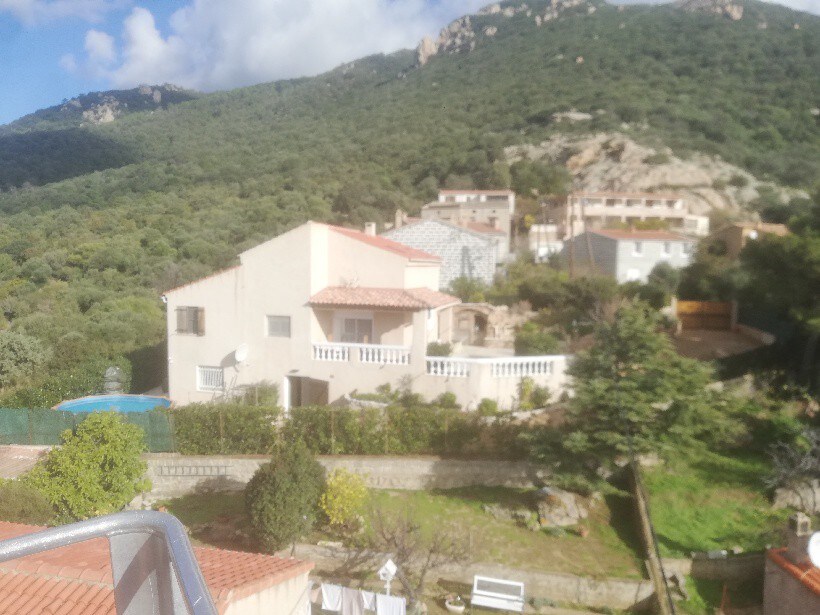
[732, 568]
[175, 475]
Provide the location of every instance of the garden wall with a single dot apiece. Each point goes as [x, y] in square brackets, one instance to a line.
[175, 475]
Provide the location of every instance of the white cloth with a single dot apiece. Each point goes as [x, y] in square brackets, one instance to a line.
[390, 605]
[369, 600]
[331, 597]
[352, 603]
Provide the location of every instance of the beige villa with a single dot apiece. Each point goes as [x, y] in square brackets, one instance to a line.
[322, 311]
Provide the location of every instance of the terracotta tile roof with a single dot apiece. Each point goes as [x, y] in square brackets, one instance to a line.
[386, 244]
[807, 574]
[197, 281]
[394, 298]
[493, 192]
[78, 579]
[640, 235]
[480, 227]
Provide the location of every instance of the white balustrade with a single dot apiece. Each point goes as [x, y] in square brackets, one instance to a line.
[447, 366]
[331, 352]
[519, 367]
[499, 367]
[383, 355]
[374, 354]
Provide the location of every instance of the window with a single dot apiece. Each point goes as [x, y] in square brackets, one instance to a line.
[278, 326]
[667, 248]
[209, 378]
[357, 330]
[687, 248]
[638, 249]
[191, 320]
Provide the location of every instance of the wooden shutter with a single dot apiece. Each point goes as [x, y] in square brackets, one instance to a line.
[182, 320]
[200, 321]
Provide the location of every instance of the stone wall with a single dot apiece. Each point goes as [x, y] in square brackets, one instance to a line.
[733, 568]
[174, 475]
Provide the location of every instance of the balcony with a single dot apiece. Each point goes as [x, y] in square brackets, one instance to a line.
[374, 354]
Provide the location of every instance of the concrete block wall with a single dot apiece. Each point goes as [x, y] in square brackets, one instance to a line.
[175, 475]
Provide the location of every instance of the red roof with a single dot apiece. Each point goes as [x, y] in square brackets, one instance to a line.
[480, 227]
[78, 578]
[807, 574]
[197, 281]
[394, 298]
[386, 244]
[504, 192]
[640, 235]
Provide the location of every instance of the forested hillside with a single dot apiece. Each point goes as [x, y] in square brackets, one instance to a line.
[97, 220]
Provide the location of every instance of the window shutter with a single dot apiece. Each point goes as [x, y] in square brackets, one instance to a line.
[182, 314]
[200, 321]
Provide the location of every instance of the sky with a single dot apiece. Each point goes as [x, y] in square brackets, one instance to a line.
[51, 50]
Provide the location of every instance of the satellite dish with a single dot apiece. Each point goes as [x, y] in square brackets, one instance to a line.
[814, 549]
[241, 353]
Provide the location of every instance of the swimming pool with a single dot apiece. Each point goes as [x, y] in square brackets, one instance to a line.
[119, 403]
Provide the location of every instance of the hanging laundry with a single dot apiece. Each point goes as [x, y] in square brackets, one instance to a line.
[390, 605]
[369, 600]
[352, 603]
[331, 597]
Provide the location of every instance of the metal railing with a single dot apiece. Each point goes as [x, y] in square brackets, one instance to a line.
[152, 561]
[210, 378]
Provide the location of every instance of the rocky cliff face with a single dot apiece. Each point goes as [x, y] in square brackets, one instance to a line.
[723, 8]
[613, 161]
[105, 107]
[460, 35]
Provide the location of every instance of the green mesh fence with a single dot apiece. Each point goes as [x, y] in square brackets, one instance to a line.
[44, 427]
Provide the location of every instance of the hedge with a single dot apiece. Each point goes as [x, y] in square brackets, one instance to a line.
[398, 429]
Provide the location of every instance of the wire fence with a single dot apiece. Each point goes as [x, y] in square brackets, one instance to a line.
[42, 426]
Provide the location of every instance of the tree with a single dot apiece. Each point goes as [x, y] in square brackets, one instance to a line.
[282, 498]
[97, 470]
[469, 290]
[633, 392]
[20, 354]
[416, 551]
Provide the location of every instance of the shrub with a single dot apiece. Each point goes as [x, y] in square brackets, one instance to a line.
[439, 349]
[96, 471]
[83, 379]
[283, 496]
[487, 407]
[657, 158]
[22, 503]
[343, 499]
[19, 355]
[223, 429]
[530, 339]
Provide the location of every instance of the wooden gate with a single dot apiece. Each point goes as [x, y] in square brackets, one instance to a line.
[705, 315]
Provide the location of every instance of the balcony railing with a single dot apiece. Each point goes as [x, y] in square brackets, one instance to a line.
[448, 366]
[375, 354]
[499, 367]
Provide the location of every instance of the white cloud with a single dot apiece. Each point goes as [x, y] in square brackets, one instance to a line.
[215, 44]
[32, 12]
[100, 48]
[68, 63]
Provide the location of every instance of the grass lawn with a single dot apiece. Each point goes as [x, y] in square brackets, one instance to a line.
[610, 549]
[712, 502]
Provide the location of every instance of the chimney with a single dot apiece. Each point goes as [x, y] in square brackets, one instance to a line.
[370, 228]
[399, 219]
[798, 538]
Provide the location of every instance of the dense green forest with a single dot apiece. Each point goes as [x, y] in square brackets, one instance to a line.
[96, 221]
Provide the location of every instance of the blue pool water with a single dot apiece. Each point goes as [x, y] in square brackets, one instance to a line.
[120, 403]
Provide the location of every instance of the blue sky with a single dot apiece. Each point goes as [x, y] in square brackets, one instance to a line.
[55, 49]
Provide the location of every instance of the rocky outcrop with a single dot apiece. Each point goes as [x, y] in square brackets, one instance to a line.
[614, 162]
[722, 8]
[555, 8]
[105, 112]
[804, 497]
[559, 508]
